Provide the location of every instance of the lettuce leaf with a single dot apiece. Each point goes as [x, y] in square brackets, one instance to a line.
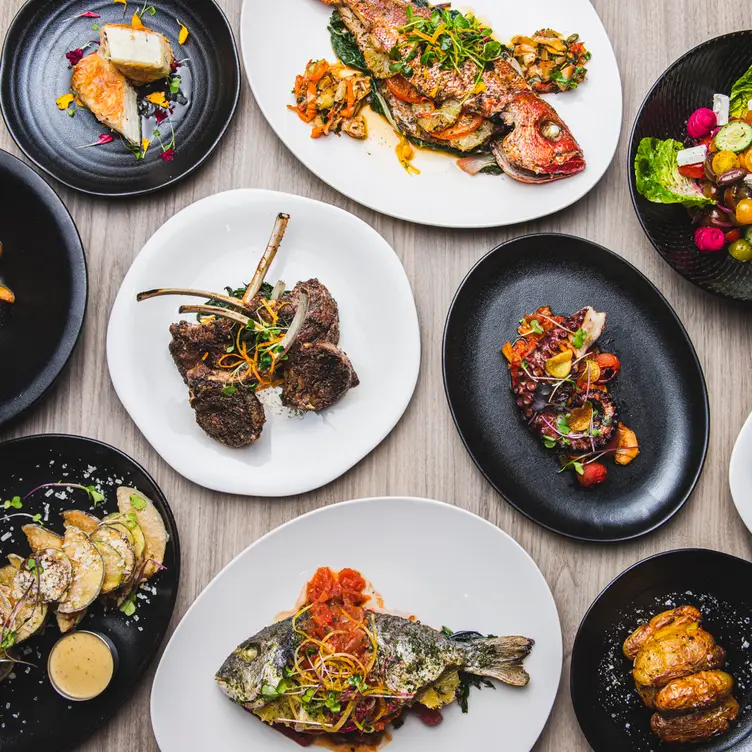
[741, 93]
[344, 44]
[658, 176]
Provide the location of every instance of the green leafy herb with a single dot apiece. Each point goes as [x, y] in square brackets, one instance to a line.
[548, 442]
[344, 44]
[138, 503]
[285, 686]
[229, 390]
[579, 338]
[128, 606]
[562, 425]
[34, 567]
[268, 692]
[37, 518]
[95, 27]
[741, 94]
[308, 695]
[535, 326]
[578, 468]
[8, 638]
[14, 503]
[174, 83]
[358, 683]
[332, 702]
[95, 495]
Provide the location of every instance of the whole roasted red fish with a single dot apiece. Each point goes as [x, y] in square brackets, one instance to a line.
[528, 139]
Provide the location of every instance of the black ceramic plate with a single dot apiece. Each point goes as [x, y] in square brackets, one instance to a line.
[43, 263]
[35, 716]
[611, 715]
[35, 73]
[661, 391]
[711, 68]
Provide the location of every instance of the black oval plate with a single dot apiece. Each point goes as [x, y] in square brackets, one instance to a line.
[35, 73]
[711, 68]
[37, 718]
[610, 714]
[43, 263]
[661, 390]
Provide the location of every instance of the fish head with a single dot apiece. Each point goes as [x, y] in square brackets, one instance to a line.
[258, 662]
[539, 148]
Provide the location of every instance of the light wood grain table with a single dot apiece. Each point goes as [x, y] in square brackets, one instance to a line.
[424, 455]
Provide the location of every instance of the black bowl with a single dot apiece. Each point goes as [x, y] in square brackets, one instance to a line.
[610, 714]
[35, 73]
[37, 718]
[711, 68]
[43, 263]
[661, 391]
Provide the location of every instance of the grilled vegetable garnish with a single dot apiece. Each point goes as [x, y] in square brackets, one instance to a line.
[677, 673]
[330, 98]
[549, 62]
[338, 667]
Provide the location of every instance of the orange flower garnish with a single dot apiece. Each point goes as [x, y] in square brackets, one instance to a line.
[64, 102]
[145, 143]
[136, 22]
[158, 98]
[184, 33]
[122, 2]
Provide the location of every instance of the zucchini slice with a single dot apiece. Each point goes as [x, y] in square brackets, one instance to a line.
[151, 524]
[40, 538]
[83, 521]
[736, 137]
[29, 618]
[130, 522]
[15, 561]
[115, 538]
[66, 622]
[114, 566]
[45, 576]
[88, 571]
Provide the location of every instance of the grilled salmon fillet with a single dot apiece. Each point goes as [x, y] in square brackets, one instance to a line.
[106, 93]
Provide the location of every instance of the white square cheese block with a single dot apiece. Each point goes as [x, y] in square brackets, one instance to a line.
[106, 93]
[695, 155]
[721, 106]
[141, 55]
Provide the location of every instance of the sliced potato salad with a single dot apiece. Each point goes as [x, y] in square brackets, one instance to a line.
[104, 560]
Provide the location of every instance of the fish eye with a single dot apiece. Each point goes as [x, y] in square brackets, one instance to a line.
[550, 131]
[248, 654]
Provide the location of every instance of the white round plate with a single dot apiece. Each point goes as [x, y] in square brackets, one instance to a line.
[218, 242]
[442, 194]
[446, 566]
[740, 474]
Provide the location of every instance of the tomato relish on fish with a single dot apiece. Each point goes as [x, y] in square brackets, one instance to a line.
[443, 82]
[560, 380]
[337, 667]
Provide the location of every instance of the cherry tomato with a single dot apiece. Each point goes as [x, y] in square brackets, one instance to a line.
[733, 235]
[744, 212]
[693, 171]
[746, 160]
[748, 117]
[741, 250]
[610, 366]
[404, 90]
[592, 474]
[725, 161]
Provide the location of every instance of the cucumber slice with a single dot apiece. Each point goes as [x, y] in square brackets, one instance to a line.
[736, 137]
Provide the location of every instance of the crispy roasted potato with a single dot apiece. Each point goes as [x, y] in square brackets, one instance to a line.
[40, 538]
[677, 618]
[151, 524]
[88, 571]
[675, 655]
[647, 695]
[698, 691]
[695, 727]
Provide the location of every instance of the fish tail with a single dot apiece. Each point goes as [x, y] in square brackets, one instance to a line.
[499, 658]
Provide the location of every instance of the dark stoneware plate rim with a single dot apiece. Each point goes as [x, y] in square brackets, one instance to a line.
[577, 647]
[163, 506]
[631, 151]
[679, 504]
[198, 162]
[74, 249]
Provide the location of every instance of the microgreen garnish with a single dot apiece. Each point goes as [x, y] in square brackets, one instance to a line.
[549, 442]
[37, 518]
[8, 638]
[535, 326]
[174, 82]
[579, 339]
[229, 390]
[268, 692]
[128, 606]
[332, 702]
[447, 38]
[14, 503]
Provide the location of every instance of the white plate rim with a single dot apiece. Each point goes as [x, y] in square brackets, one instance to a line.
[423, 501]
[410, 372]
[566, 203]
[743, 440]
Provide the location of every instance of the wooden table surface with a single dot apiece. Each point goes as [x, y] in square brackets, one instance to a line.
[424, 455]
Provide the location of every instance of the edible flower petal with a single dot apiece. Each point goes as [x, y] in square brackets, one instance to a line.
[122, 2]
[89, 14]
[145, 143]
[160, 116]
[580, 418]
[184, 33]
[64, 102]
[136, 22]
[158, 98]
[168, 155]
[105, 138]
[74, 56]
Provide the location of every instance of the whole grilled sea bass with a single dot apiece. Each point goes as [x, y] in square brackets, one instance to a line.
[528, 139]
[409, 659]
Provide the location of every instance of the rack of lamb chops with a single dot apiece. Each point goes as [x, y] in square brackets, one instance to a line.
[263, 337]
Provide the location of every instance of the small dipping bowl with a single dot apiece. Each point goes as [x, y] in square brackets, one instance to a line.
[82, 664]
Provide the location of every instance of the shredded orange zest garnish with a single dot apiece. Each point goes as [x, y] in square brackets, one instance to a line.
[158, 98]
[184, 33]
[136, 22]
[64, 102]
